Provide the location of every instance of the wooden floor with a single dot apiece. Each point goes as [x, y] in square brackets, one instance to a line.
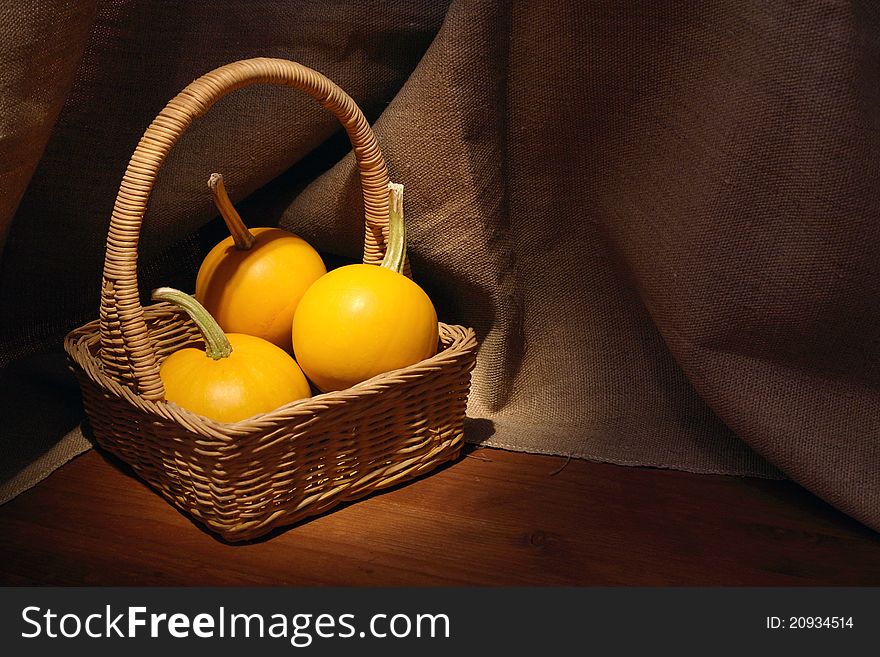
[491, 518]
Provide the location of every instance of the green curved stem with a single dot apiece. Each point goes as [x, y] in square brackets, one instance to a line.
[395, 252]
[216, 343]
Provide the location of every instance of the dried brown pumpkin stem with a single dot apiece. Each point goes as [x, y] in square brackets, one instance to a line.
[243, 238]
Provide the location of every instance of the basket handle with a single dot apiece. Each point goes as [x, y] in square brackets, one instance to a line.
[128, 352]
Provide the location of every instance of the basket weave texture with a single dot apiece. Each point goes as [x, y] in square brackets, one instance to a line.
[244, 479]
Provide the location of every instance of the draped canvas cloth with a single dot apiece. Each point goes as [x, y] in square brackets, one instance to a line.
[661, 219]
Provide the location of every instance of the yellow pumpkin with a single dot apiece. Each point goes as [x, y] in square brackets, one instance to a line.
[235, 377]
[252, 281]
[362, 320]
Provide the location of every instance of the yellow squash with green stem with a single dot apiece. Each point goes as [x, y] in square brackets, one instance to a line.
[252, 281]
[235, 377]
[362, 320]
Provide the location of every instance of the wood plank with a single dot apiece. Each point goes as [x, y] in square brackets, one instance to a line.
[492, 518]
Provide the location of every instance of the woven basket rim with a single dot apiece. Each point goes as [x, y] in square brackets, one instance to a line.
[460, 342]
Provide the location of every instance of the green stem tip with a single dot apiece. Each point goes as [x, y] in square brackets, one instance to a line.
[395, 251]
[216, 343]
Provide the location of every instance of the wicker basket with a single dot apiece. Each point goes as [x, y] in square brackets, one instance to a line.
[242, 480]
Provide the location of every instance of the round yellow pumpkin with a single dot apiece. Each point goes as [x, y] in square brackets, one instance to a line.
[359, 321]
[362, 320]
[256, 291]
[252, 281]
[235, 377]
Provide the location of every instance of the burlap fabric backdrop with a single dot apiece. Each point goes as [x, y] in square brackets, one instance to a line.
[660, 218]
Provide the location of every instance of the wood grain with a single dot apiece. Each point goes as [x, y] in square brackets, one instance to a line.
[492, 518]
